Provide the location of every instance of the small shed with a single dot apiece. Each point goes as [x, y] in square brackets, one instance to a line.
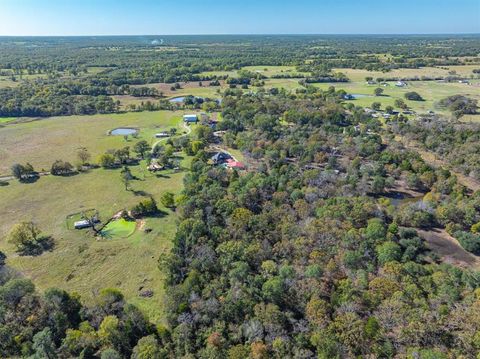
[162, 135]
[82, 224]
[190, 118]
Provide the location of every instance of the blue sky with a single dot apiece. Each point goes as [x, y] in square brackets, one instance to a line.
[164, 17]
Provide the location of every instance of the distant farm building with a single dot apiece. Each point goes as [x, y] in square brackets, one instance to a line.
[190, 118]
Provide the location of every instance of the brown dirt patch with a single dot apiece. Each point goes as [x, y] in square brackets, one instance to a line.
[448, 248]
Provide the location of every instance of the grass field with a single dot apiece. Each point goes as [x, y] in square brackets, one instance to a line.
[127, 258]
[6, 81]
[79, 262]
[4, 120]
[43, 141]
[220, 73]
[269, 71]
[188, 88]
[288, 84]
[357, 75]
[431, 91]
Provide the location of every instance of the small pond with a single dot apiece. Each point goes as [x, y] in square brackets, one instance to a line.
[359, 95]
[123, 131]
[181, 99]
[177, 99]
[400, 198]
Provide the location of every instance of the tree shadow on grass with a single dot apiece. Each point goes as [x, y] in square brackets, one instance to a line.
[159, 175]
[159, 214]
[30, 179]
[43, 244]
[140, 193]
[67, 174]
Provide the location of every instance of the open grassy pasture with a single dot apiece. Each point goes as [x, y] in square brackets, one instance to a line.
[188, 88]
[356, 75]
[4, 120]
[94, 70]
[79, 262]
[269, 71]
[431, 91]
[127, 100]
[287, 84]
[219, 73]
[43, 141]
[6, 81]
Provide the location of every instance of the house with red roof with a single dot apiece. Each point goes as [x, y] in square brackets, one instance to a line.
[235, 164]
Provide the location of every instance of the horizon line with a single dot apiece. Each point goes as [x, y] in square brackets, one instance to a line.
[258, 34]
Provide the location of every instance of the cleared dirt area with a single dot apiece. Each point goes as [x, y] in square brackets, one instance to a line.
[448, 248]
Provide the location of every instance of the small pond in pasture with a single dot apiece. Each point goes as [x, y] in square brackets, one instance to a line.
[124, 131]
[359, 95]
[177, 99]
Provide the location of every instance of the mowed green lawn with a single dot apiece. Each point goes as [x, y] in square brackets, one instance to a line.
[43, 141]
[79, 262]
[120, 228]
